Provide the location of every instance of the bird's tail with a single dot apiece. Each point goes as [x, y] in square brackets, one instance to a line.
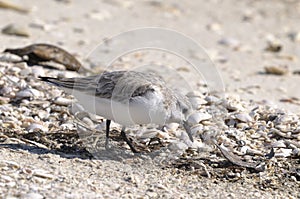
[66, 83]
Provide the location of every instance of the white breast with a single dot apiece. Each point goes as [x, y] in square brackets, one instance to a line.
[139, 110]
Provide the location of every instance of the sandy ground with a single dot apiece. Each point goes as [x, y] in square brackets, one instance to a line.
[234, 33]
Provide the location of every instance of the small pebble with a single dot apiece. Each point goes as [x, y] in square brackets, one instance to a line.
[16, 30]
[276, 70]
[273, 44]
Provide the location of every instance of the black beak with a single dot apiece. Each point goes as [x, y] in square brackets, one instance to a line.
[187, 128]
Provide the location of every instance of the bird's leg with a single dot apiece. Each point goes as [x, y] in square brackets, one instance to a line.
[107, 133]
[123, 134]
[188, 130]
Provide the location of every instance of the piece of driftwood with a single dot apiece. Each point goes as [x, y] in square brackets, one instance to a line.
[37, 53]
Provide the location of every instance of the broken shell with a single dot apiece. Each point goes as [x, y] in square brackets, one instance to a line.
[43, 114]
[4, 100]
[6, 91]
[28, 93]
[286, 119]
[242, 126]
[38, 71]
[197, 129]
[22, 84]
[36, 127]
[7, 57]
[212, 99]
[42, 174]
[282, 152]
[254, 151]
[177, 146]
[197, 117]
[143, 135]
[278, 144]
[243, 117]
[68, 126]
[197, 102]
[233, 105]
[63, 101]
[296, 152]
[88, 122]
[172, 126]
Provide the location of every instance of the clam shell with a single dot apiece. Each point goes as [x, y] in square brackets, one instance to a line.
[197, 102]
[197, 117]
[243, 117]
[28, 93]
[63, 101]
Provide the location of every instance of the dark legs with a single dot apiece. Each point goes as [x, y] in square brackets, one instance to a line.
[123, 134]
[188, 130]
[107, 133]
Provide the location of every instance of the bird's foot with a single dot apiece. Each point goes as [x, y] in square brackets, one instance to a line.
[123, 134]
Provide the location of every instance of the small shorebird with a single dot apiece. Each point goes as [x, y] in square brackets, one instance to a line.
[128, 98]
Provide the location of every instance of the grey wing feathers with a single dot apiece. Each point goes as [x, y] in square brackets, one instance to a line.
[106, 83]
[72, 83]
[109, 83]
[125, 84]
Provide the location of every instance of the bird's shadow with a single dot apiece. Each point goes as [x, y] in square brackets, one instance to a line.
[71, 153]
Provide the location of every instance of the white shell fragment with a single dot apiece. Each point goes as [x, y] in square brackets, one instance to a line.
[197, 117]
[197, 102]
[63, 101]
[282, 152]
[278, 144]
[28, 93]
[38, 71]
[243, 117]
[36, 127]
[7, 57]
